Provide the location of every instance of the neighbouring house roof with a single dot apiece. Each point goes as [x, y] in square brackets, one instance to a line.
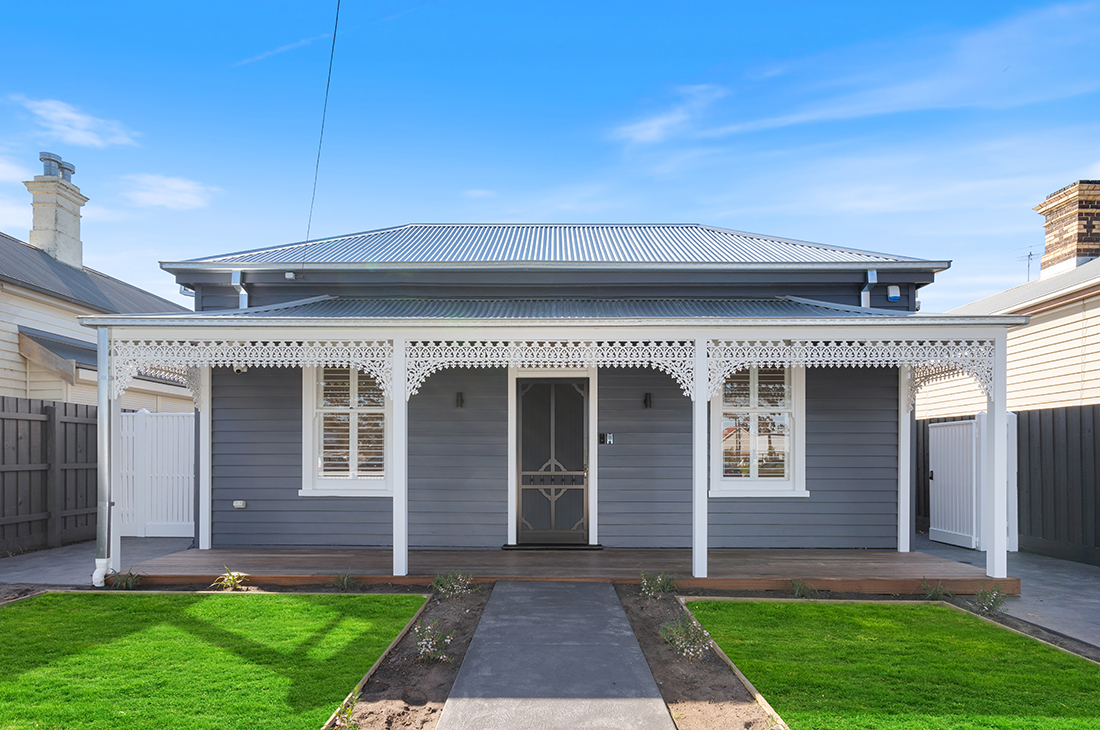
[1039, 294]
[553, 244]
[81, 353]
[338, 311]
[24, 265]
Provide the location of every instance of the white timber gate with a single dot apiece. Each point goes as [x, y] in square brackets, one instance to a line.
[956, 458]
[157, 469]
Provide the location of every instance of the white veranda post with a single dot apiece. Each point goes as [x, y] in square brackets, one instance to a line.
[995, 474]
[699, 498]
[398, 466]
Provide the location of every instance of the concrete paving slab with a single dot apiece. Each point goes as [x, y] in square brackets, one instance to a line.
[72, 565]
[554, 655]
[1059, 595]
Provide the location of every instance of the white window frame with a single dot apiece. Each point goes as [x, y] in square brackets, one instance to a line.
[313, 484]
[795, 485]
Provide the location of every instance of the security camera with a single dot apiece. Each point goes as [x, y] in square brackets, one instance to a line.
[238, 369]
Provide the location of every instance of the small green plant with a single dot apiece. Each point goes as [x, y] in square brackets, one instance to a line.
[936, 592]
[453, 584]
[990, 601]
[431, 643]
[802, 589]
[343, 718]
[230, 580]
[127, 581]
[687, 637]
[345, 582]
[656, 585]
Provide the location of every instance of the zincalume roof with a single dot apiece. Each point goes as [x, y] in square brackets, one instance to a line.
[553, 243]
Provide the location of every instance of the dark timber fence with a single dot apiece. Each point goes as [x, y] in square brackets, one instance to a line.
[1057, 481]
[47, 473]
[1059, 461]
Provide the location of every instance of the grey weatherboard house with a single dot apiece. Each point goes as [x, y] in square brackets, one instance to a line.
[630, 386]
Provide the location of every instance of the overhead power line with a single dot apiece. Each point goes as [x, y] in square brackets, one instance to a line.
[324, 114]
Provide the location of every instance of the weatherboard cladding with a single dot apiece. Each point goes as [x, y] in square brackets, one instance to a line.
[458, 465]
[553, 243]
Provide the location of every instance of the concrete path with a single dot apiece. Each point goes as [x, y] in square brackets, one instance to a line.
[72, 565]
[554, 655]
[1059, 595]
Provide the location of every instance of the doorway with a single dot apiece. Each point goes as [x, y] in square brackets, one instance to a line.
[552, 431]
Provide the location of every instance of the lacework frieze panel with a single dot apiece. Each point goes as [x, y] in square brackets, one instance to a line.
[931, 360]
[672, 358]
[181, 360]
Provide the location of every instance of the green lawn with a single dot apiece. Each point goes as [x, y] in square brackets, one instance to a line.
[185, 661]
[890, 666]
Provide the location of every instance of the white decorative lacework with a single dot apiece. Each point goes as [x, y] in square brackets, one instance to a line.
[931, 360]
[674, 358]
[181, 360]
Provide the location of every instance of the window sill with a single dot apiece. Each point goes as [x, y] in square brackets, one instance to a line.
[758, 493]
[346, 492]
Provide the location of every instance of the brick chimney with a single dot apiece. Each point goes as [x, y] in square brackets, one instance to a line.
[57, 203]
[1073, 227]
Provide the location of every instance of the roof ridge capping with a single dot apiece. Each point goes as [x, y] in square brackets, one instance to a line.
[672, 243]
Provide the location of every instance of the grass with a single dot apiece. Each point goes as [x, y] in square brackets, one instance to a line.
[826, 666]
[187, 661]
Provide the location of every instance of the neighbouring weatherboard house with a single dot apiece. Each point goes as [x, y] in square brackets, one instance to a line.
[623, 386]
[44, 287]
[1053, 381]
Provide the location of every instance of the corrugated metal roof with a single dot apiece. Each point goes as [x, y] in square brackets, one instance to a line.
[25, 265]
[1034, 291]
[330, 307]
[554, 243]
[83, 353]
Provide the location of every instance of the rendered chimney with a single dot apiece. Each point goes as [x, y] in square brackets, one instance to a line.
[1073, 227]
[57, 203]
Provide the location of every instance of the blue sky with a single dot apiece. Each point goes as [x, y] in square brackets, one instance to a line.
[926, 129]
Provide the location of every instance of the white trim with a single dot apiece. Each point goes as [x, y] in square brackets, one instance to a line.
[398, 470]
[995, 482]
[793, 487]
[905, 527]
[593, 457]
[699, 501]
[514, 374]
[116, 486]
[513, 458]
[313, 485]
[205, 471]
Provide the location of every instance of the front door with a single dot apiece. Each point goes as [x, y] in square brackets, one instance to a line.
[553, 461]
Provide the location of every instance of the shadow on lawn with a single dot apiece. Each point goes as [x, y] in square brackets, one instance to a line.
[53, 627]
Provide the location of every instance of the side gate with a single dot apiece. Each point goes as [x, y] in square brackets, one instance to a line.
[157, 469]
[955, 462]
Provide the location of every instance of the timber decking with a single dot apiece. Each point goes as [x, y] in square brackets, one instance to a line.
[854, 571]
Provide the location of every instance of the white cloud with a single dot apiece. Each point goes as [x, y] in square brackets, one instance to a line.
[694, 101]
[15, 217]
[72, 126]
[283, 49]
[477, 193]
[1015, 62]
[11, 172]
[174, 193]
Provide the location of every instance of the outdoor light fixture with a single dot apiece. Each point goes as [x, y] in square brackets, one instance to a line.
[647, 402]
[458, 399]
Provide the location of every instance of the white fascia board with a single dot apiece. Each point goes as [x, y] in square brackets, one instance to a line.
[854, 266]
[576, 331]
[207, 321]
